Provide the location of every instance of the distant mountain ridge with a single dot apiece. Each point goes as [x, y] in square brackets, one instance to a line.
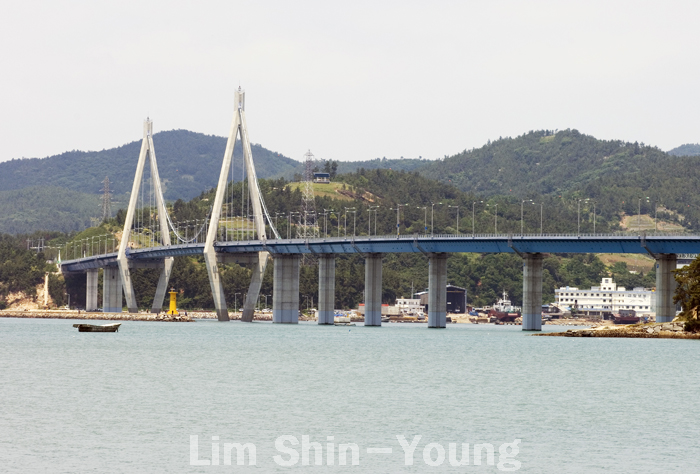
[188, 163]
[620, 176]
[567, 165]
[62, 192]
[23, 211]
[689, 149]
[540, 161]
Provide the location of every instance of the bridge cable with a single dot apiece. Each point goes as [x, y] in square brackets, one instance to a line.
[257, 185]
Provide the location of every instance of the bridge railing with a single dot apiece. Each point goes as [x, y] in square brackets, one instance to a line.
[496, 236]
[88, 247]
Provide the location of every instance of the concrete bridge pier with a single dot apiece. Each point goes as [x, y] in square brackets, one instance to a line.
[91, 290]
[665, 287]
[162, 287]
[532, 292]
[437, 290]
[259, 264]
[326, 289]
[112, 290]
[373, 289]
[285, 289]
[217, 289]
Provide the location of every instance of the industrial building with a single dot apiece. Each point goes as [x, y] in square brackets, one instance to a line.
[456, 299]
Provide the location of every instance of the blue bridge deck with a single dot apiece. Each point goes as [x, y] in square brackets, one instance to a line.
[655, 244]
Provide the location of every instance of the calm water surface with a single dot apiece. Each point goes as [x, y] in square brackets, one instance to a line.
[129, 402]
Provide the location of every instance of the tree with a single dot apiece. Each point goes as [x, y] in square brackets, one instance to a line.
[688, 289]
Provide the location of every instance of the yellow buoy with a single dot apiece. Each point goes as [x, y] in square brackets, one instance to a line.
[173, 302]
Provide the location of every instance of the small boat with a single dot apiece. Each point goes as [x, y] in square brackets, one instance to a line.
[343, 321]
[626, 316]
[114, 327]
[626, 319]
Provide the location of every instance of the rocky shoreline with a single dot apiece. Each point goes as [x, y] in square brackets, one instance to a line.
[673, 330]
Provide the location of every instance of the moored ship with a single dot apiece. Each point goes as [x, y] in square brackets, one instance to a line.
[504, 310]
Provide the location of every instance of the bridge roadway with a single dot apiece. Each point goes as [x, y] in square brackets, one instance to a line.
[585, 243]
[287, 252]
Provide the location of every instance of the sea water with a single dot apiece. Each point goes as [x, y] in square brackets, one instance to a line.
[174, 397]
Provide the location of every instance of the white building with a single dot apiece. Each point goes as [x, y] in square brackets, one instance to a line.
[607, 297]
[408, 305]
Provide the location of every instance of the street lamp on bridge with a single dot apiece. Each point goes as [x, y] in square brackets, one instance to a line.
[594, 203]
[369, 220]
[521, 214]
[354, 221]
[432, 216]
[495, 218]
[473, 215]
[289, 223]
[398, 221]
[456, 207]
[639, 214]
[578, 213]
[425, 218]
[325, 221]
[345, 225]
[656, 208]
[276, 214]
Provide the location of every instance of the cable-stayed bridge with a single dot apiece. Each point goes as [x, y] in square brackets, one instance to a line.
[236, 232]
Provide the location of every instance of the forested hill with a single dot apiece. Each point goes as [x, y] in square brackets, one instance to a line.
[48, 208]
[689, 149]
[542, 162]
[399, 164]
[188, 163]
[573, 166]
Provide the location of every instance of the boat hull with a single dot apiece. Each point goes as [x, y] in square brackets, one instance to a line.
[97, 328]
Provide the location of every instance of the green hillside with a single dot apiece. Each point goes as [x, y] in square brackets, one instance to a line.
[63, 192]
[540, 162]
[569, 166]
[47, 207]
[555, 169]
[188, 162]
[689, 149]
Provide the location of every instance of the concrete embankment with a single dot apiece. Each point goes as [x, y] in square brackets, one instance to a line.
[63, 314]
[651, 330]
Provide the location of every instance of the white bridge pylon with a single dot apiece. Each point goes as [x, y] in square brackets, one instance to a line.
[161, 221]
[260, 213]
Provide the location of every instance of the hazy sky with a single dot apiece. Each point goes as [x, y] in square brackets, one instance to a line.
[349, 80]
